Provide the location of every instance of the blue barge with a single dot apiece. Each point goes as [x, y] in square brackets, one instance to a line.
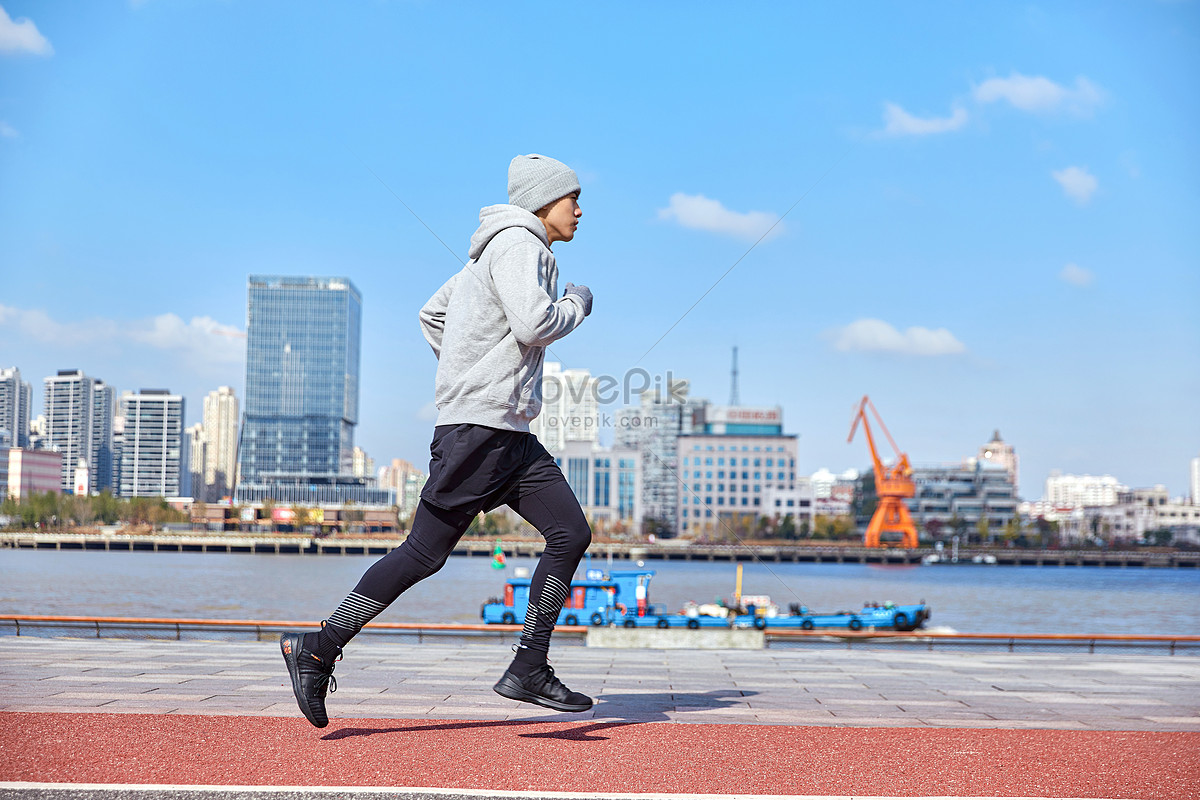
[876, 616]
[622, 598]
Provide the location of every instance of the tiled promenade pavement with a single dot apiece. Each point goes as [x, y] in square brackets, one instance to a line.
[106, 719]
[809, 687]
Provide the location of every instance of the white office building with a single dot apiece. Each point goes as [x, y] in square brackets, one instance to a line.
[733, 477]
[153, 450]
[607, 482]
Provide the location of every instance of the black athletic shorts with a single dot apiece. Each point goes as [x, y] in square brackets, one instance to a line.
[473, 468]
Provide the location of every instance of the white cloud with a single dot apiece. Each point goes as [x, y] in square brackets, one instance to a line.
[1076, 275]
[701, 213]
[1040, 94]
[201, 342]
[1077, 182]
[203, 337]
[22, 36]
[898, 122]
[877, 336]
[39, 326]
[7, 131]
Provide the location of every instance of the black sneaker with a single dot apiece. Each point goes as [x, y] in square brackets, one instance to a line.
[540, 687]
[311, 677]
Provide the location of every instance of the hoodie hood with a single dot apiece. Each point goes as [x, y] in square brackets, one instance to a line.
[497, 218]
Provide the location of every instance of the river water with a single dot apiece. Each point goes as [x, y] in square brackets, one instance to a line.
[967, 598]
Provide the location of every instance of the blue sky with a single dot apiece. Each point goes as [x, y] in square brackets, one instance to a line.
[993, 224]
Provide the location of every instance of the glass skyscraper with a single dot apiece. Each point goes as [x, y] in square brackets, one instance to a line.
[302, 362]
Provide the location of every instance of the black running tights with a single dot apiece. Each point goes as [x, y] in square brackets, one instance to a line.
[553, 510]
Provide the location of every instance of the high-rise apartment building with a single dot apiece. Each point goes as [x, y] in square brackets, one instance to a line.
[101, 460]
[118, 448]
[653, 429]
[220, 444]
[197, 449]
[79, 417]
[79, 425]
[361, 464]
[406, 481]
[16, 398]
[69, 421]
[570, 410]
[153, 451]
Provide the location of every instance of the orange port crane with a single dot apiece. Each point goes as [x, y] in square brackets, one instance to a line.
[892, 484]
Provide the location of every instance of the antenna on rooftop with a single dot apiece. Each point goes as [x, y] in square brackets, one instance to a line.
[733, 391]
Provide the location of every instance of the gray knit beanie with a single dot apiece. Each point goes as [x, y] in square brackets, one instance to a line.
[535, 181]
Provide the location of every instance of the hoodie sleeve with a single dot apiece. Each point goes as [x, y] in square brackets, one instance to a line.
[535, 318]
[433, 315]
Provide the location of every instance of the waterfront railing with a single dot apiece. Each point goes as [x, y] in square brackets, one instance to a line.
[458, 633]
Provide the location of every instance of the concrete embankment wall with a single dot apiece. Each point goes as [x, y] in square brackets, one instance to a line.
[802, 554]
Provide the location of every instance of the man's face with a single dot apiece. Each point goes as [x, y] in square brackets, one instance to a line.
[561, 218]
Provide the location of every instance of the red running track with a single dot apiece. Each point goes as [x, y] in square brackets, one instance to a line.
[598, 757]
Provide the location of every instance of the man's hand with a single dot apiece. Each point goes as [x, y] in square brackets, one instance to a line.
[583, 293]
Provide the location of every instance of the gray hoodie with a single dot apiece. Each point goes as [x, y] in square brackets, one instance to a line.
[490, 323]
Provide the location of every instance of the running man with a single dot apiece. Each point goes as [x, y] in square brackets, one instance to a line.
[489, 326]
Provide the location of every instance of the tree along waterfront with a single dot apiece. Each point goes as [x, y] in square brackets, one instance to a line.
[55, 511]
[61, 513]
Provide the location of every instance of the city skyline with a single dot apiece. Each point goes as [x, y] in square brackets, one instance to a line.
[990, 229]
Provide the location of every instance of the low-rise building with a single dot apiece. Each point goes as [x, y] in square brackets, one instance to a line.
[1138, 515]
[960, 495]
[32, 471]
